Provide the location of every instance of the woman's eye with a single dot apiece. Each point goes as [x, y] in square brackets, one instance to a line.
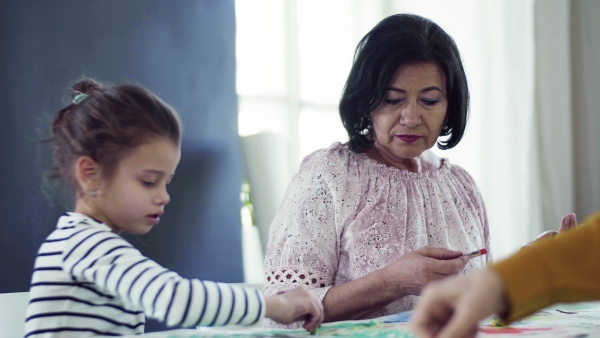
[147, 183]
[393, 101]
[430, 102]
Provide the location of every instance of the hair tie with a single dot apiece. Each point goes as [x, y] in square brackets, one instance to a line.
[79, 97]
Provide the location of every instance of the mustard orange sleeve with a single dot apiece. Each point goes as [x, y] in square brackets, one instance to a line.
[565, 269]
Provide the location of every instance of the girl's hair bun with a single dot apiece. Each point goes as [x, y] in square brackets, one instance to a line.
[85, 86]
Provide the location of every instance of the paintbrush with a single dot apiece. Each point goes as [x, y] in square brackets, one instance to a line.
[477, 253]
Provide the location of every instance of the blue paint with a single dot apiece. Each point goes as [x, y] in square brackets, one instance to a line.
[401, 317]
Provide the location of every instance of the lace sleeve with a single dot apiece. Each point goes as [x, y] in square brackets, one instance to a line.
[303, 240]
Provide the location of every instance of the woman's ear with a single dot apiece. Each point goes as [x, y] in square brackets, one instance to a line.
[87, 172]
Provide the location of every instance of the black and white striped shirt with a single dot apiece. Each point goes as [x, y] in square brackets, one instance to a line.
[88, 281]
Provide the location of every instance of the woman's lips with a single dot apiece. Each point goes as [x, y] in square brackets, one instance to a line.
[408, 138]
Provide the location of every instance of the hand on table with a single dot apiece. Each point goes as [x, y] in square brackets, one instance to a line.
[453, 307]
[409, 274]
[295, 305]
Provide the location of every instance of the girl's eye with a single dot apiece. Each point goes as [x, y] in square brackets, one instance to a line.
[148, 183]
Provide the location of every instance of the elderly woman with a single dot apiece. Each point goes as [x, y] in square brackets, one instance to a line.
[368, 223]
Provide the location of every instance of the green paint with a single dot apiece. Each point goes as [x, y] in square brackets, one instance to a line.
[349, 325]
[576, 306]
[370, 329]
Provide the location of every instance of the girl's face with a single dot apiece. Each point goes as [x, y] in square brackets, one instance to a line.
[133, 199]
[409, 119]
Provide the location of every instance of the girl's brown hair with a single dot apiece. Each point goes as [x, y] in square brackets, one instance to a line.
[105, 123]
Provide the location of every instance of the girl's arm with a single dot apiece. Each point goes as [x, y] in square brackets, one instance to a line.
[114, 266]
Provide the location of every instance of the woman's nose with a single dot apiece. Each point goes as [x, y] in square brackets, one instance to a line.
[410, 115]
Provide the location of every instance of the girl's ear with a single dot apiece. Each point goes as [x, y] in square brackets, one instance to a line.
[87, 172]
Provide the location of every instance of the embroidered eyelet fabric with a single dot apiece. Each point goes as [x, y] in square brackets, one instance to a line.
[345, 215]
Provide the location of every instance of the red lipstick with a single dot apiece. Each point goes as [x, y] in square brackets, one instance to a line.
[408, 138]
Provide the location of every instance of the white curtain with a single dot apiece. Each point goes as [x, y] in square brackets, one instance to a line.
[552, 155]
[567, 110]
[585, 89]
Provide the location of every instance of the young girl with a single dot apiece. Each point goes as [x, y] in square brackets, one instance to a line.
[118, 148]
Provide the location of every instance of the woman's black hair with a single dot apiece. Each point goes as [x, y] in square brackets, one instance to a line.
[396, 40]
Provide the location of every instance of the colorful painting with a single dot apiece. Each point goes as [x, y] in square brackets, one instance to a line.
[361, 328]
[559, 321]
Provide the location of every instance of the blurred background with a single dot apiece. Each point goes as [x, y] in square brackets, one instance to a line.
[533, 70]
[257, 83]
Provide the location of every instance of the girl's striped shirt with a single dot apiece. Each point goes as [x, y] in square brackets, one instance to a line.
[88, 281]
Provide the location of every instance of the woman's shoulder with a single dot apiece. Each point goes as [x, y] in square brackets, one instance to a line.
[458, 171]
[332, 165]
[461, 175]
[337, 156]
[335, 152]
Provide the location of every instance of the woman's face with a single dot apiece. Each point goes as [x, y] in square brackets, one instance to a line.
[411, 115]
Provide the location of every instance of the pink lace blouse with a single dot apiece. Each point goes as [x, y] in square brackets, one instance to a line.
[345, 215]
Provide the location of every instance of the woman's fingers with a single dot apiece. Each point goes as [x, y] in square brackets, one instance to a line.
[546, 234]
[440, 261]
[568, 222]
[438, 253]
[449, 267]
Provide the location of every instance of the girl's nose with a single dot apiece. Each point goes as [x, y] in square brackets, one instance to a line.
[163, 197]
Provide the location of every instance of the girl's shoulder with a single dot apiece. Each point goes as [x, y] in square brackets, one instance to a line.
[72, 220]
[73, 228]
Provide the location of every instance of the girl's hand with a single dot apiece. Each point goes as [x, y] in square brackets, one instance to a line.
[293, 305]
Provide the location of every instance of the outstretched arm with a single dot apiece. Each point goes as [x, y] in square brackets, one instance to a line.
[535, 277]
[118, 269]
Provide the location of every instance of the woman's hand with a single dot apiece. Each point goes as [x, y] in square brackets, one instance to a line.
[567, 222]
[409, 274]
[452, 308]
[406, 276]
[294, 305]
